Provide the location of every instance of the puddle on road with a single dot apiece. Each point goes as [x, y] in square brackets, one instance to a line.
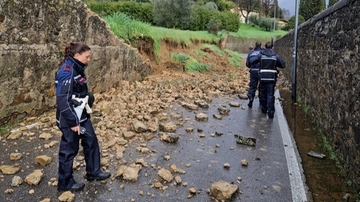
[322, 175]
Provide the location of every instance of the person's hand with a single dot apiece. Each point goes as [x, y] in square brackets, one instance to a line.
[76, 129]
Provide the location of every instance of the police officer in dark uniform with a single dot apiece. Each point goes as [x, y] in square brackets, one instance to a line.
[70, 81]
[254, 72]
[269, 61]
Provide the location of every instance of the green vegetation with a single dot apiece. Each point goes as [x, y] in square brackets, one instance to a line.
[235, 59]
[199, 54]
[291, 23]
[184, 15]
[127, 29]
[310, 8]
[328, 148]
[193, 65]
[139, 11]
[179, 58]
[248, 31]
[4, 130]
[304, 106]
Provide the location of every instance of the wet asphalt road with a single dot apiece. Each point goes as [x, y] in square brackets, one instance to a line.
[269, 176]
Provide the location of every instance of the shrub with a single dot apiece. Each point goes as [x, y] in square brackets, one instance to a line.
[225, 5]
[253, 19]
[211, 6]
[213, 26]
[266, 23]
[138, 11]
[229, 21]
[173, 13]
[291, 23]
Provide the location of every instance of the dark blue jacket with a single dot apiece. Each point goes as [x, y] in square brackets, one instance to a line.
[269, 61]
[252, 56]
[70, 80]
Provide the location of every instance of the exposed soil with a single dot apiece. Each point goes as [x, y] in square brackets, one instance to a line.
[218, 64]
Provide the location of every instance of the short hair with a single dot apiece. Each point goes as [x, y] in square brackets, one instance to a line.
[258, 44]
[250, 48]
[268, 45]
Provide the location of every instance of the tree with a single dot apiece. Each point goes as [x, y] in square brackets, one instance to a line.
[309, 8]
[278, 13]
[247, 6]
[267, 6]
[332, 2]
[291, 23]
[286, 14]
[173, 13]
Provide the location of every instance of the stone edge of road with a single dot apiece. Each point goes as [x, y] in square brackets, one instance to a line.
[299, 189]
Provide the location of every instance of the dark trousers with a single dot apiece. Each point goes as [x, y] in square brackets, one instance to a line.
[253, 85]
[69, 147]
[266, 96]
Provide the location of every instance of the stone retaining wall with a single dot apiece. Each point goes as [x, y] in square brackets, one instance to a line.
[328, 78]
[33, 35]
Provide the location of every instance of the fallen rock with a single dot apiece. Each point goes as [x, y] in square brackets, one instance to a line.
[167, 127]
[138, 127]
[243, 96]
[128, 135]
[15, 156]
[51, 144]
[223, 110]
[131, 173]
[16, 181]
[15, 135]
[67, 197]
[45, 136]
[244, 162]
[178, 180]
[34, 178]
[165, 175]
[43, 160]
[201, 117]
[217, 116]
[8, 191]
[9, 170]
[174, 169]
[222, 190]
[234, 104]
[169, 137]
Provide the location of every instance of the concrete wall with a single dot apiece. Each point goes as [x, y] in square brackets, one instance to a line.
[33, 35]
[328, 78]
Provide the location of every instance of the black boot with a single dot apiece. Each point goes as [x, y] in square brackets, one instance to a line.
[75, 187]
[251, 100]
[100, 176]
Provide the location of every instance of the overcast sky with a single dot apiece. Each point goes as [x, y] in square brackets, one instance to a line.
[290, 5]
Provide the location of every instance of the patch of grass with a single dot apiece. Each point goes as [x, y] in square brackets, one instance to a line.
[199, 54]
[4, 130]
[193, 65]
[304, 106]
[328, 148]
[179, 58]
[236, 59]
